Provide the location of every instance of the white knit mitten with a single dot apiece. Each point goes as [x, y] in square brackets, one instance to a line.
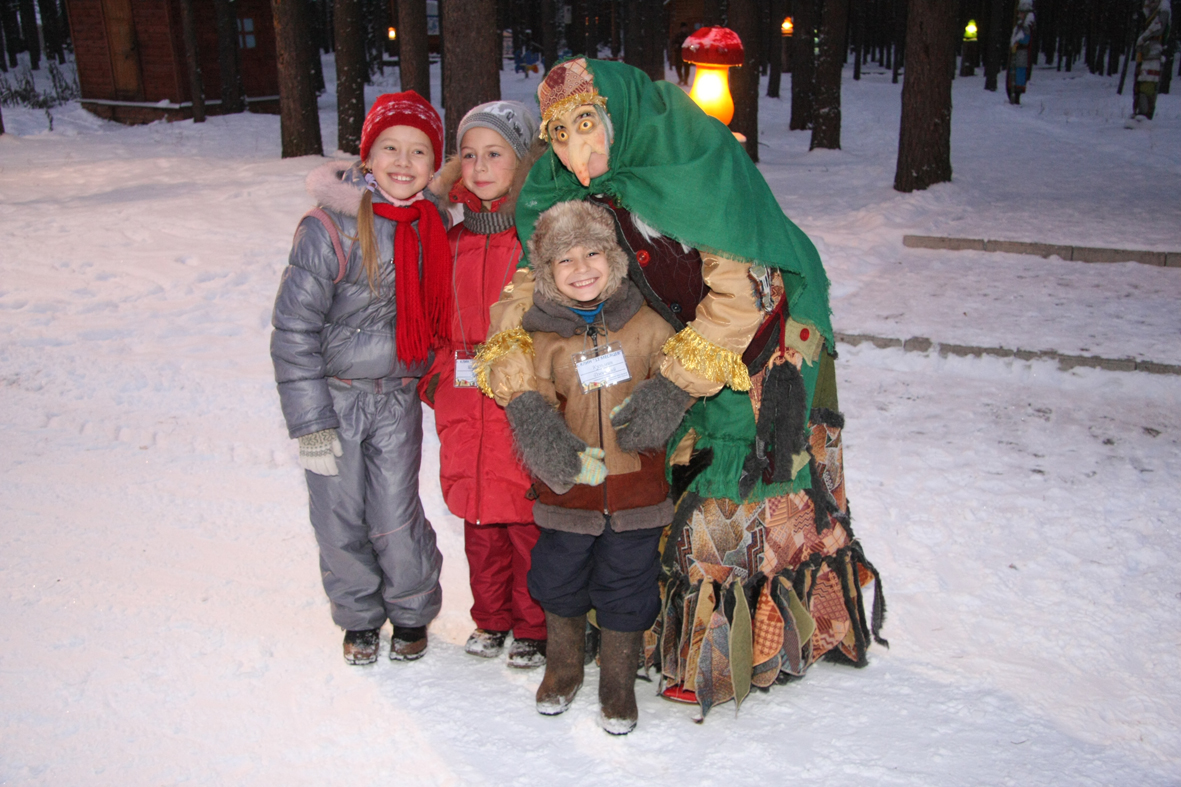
[316, 452]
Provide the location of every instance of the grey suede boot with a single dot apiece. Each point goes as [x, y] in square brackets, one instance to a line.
[565, 647]
[619, 658]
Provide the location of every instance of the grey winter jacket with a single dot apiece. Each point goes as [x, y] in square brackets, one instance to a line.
[325, 329]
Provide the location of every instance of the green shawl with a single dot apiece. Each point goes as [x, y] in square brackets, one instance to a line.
[683, 173]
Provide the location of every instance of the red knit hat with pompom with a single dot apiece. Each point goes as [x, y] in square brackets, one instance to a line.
[403, 109]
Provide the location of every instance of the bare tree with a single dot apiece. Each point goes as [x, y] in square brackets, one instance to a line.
[924, 139]
[299, 120]
[802, 65]
[414, 59]
[232, 98]
[744, 81]
[28, 16]
[471, 50]
[351, 71]
[778, 10]
[549, 34]
[643, 44]
[51, 30]
[12, 38]
[826, 106]
[192, 60]
[993, 43]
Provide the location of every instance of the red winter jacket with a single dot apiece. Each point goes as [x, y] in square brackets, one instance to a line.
[481, 478]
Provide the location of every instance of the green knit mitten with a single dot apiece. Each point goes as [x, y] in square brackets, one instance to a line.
[593, 471]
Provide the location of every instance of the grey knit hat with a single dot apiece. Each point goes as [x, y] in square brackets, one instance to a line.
[510, 119]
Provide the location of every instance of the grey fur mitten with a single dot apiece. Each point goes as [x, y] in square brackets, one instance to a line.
[546, 444]
[317, 451]
[648, 417]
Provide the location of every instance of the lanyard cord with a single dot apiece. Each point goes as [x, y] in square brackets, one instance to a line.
[512, 266]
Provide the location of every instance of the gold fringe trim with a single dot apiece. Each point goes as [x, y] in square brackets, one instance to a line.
[700, 356]
[491, 351]
[567, 104]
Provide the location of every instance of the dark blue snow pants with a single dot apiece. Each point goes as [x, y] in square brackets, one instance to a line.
[614, 573]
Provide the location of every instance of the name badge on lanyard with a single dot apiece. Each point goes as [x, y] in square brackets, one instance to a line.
[465, 375]
[601, 367]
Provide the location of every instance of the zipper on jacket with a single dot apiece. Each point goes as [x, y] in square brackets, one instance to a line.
[480, 445]
[594, 335]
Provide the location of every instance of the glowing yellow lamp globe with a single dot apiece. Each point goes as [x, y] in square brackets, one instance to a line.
[713, 50]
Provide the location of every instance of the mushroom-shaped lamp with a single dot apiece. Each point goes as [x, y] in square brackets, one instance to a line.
[713, 50]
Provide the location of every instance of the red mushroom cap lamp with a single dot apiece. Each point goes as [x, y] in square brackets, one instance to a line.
[713, 50]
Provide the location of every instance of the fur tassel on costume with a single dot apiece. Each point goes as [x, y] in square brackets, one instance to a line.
[712, 362]
[496, 348]
[781, 432]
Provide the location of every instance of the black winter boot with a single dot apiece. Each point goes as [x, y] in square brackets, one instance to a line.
[618, 658]
[564, 651]
[360, 646]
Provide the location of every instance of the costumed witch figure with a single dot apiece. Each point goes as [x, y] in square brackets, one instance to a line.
[1020, 61]
[762, 575]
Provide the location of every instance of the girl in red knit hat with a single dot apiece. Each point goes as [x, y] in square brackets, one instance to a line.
[364, 299]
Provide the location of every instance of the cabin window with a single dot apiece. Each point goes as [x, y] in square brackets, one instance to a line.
[246, 38]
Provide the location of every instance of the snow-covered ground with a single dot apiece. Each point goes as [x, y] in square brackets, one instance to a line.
[160, 604]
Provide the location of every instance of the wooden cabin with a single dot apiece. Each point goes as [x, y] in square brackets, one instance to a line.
[131, 63]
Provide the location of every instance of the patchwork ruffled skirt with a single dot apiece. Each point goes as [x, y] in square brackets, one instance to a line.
[755, 593]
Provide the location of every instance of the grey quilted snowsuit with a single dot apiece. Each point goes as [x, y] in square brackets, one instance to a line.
[336, 368]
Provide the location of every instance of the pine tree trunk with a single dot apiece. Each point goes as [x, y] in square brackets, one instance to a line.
[744, 81]
[826, 108]
[802, 66]
[1, 122]
[311, 19]
[711, 13]
[857, 12]
[49, 30]
[350, 75]
[577, 33]
[414, 62]
[549, 34]
[995, 43]
[299, 120]
[470, 49]
[232, 98]
[12, 36]
[64, 27]
[775, 55]
[924, 139]
[29, 30]
[188, 26]
[3, 39]
[900, 13]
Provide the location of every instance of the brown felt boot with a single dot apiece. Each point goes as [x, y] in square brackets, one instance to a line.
[619, 656]
[565, 647]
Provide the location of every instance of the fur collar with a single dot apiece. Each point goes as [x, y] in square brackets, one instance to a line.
[551, 317]
[337, 186]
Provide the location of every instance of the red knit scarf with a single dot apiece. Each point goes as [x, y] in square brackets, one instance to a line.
[424, 306]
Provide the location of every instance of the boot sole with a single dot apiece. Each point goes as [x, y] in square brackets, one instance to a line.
[617, 726]
[558, 705]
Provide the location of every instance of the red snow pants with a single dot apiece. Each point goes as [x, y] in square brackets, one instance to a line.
[498, 558]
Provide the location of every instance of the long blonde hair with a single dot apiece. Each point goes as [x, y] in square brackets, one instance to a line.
[367, 235]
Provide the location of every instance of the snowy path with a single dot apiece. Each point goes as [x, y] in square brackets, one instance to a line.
[161, 605]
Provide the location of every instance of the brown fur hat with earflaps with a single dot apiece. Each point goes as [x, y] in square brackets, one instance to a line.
[561, 228]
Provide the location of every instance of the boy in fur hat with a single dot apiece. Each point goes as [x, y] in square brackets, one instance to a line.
[601, 515]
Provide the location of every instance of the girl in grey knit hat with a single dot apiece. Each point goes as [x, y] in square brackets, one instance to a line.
[481, 479]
